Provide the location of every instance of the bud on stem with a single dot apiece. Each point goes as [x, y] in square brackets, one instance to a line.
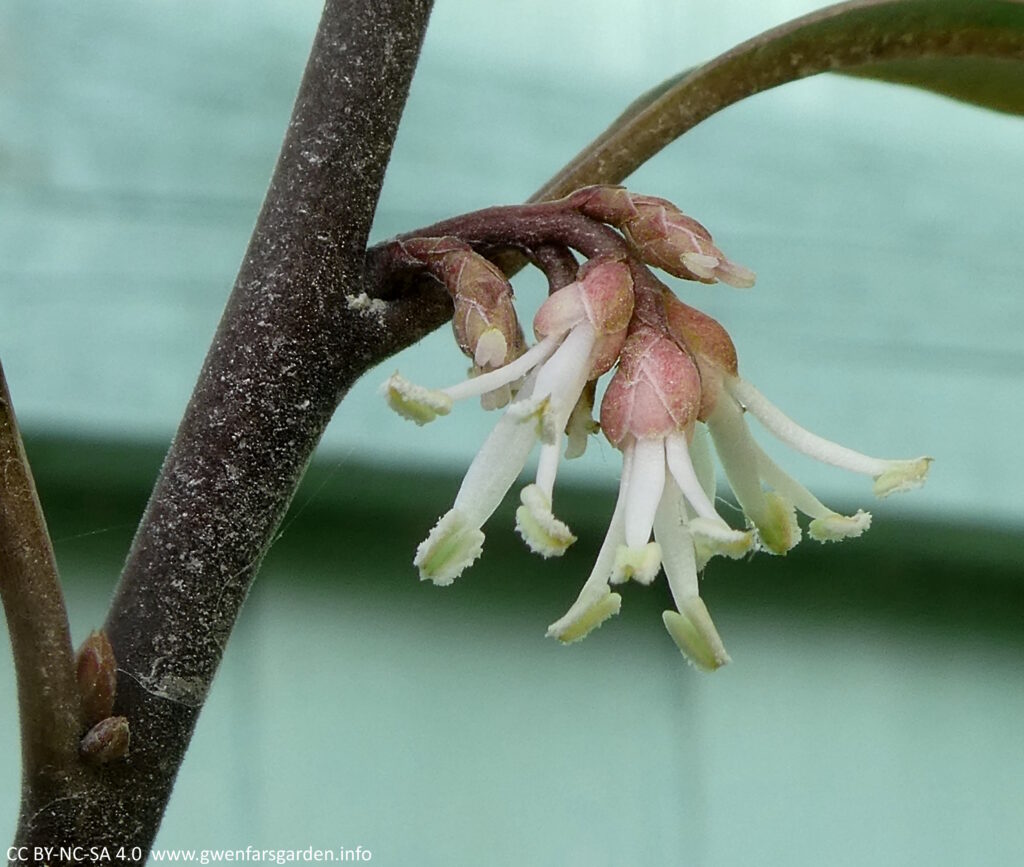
[97, 677]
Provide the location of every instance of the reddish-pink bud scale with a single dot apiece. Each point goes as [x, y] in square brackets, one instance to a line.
[96, 671]
[655, 391]
[106, 741]
[704, 336]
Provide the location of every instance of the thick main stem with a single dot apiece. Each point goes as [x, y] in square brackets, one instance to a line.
[292, 340]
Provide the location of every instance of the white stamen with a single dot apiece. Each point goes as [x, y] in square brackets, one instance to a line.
[641, 563]
[547, 465]
[645, 488]
[677, 455]
[497, 465]
[677, 554]
[695, 635]
[596, 586]
[703, 461]
[563, 377]
[512, 371]
[769, 512]
[735, 447]
[818, 447]
[453, 544]
[565, 373]
[415, 402]
[588, 619]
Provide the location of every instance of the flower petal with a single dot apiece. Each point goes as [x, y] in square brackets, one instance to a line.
[596, 587]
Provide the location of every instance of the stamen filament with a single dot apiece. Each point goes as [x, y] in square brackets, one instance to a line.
[801, 439]
[645, 490]
[512, 371]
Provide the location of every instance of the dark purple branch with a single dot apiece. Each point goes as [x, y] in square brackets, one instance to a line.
[558, 264]
[295, 335]
[511, 235]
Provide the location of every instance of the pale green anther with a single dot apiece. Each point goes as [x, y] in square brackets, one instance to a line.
[778, 530]
[695, 635]
[590, 619]
[902, 476]
[540, 529]
[452, 545]
[414, 402]
[836, 527]
[640, 564]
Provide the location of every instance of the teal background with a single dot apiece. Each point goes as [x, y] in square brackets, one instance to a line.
[871, 714]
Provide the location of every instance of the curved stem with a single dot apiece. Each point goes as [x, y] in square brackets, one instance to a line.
[558, 264]
[848, 37]
[49, 708]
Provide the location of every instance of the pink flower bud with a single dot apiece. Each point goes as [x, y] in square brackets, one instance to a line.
[668, 239]
[705, 336]
[601, 296]
[656, 390]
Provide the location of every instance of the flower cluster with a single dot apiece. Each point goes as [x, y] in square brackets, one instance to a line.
[675, 386]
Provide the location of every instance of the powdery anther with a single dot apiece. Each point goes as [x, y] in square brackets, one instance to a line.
[543, 533]
[695, 635]
[415, 402]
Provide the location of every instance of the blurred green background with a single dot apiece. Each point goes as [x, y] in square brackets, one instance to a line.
[872, 711]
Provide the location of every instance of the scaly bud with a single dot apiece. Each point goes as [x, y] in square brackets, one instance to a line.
[666, 238]
[106, 741]
[97, 677]
[655, 391]
[485, 323]
[604, 202]
[710, 343]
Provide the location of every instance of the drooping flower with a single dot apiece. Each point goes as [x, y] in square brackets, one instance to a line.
[580, 330]
[649, 412]
[676, 390]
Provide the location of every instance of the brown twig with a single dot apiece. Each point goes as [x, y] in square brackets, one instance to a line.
[48, 700]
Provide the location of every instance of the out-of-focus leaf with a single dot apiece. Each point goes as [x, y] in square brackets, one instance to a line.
[971, 50]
